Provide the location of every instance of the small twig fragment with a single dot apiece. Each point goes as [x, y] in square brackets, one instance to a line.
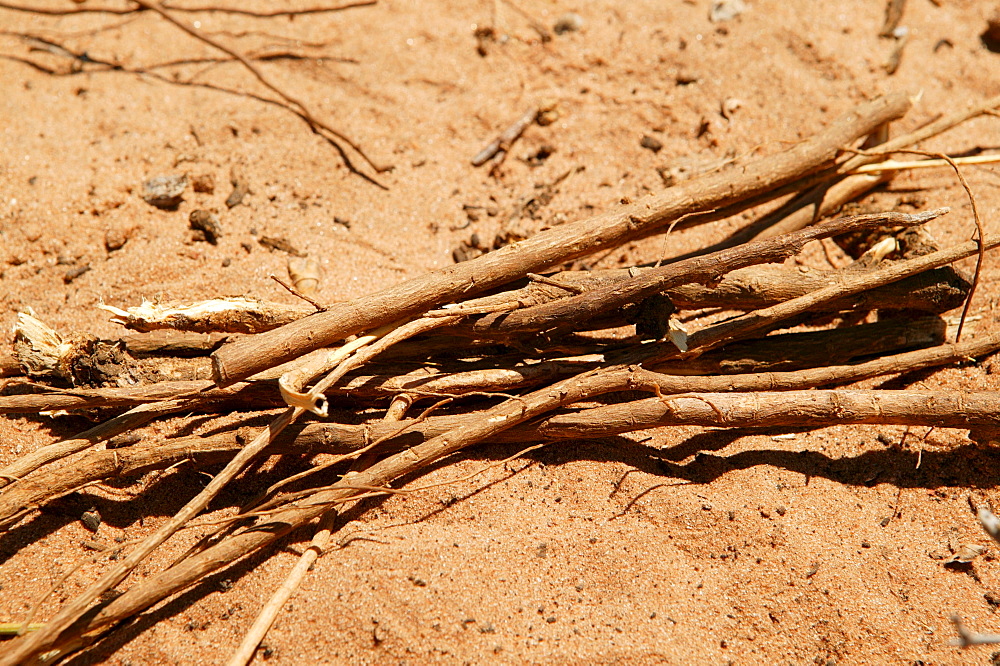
[502, 143]
[968, 638]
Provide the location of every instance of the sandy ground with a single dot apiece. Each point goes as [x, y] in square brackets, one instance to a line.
[669, 546]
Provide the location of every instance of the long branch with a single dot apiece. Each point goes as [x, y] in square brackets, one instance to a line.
[242, 358]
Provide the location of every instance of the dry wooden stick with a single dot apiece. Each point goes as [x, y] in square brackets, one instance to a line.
[242, 358]
[793, 409]
[937, 290]
[848, 166]
[742, 289]
[980, 232]
[103, 397]
[337, 438]
[803, 210]
[35, 643]
[783, 351]
[807, 408]
[751, 322]
[494, 420]
[130, 420]
[706, 268]
[74, 609]
[321, 435]
[51, 482]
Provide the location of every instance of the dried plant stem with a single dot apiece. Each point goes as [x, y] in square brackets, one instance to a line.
[184, 573]
[47, 484]
[265, 618]
[758, 320]
[851, 164]
[895, 165]
[88, 9]
[341, 439]
[73, 610]
[794, 409]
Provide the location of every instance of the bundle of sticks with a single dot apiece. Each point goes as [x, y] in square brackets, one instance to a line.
[513, 346]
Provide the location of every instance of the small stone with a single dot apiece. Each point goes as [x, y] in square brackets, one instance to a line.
[651, 143]
[165, 192]
[685, 78]
[204, 183]
[74, 273]
[115, 239]
[208, 223]
[91, 519]
[726, 10]
[569, 22]
[991, 36]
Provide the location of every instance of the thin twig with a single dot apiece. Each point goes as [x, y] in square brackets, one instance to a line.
[265, 618]
[968, 638]
[37, 642]
[299, 106]
[88, 9]
[980, 232]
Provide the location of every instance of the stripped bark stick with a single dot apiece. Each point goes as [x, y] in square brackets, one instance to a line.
[242, 358]
[244, 653]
